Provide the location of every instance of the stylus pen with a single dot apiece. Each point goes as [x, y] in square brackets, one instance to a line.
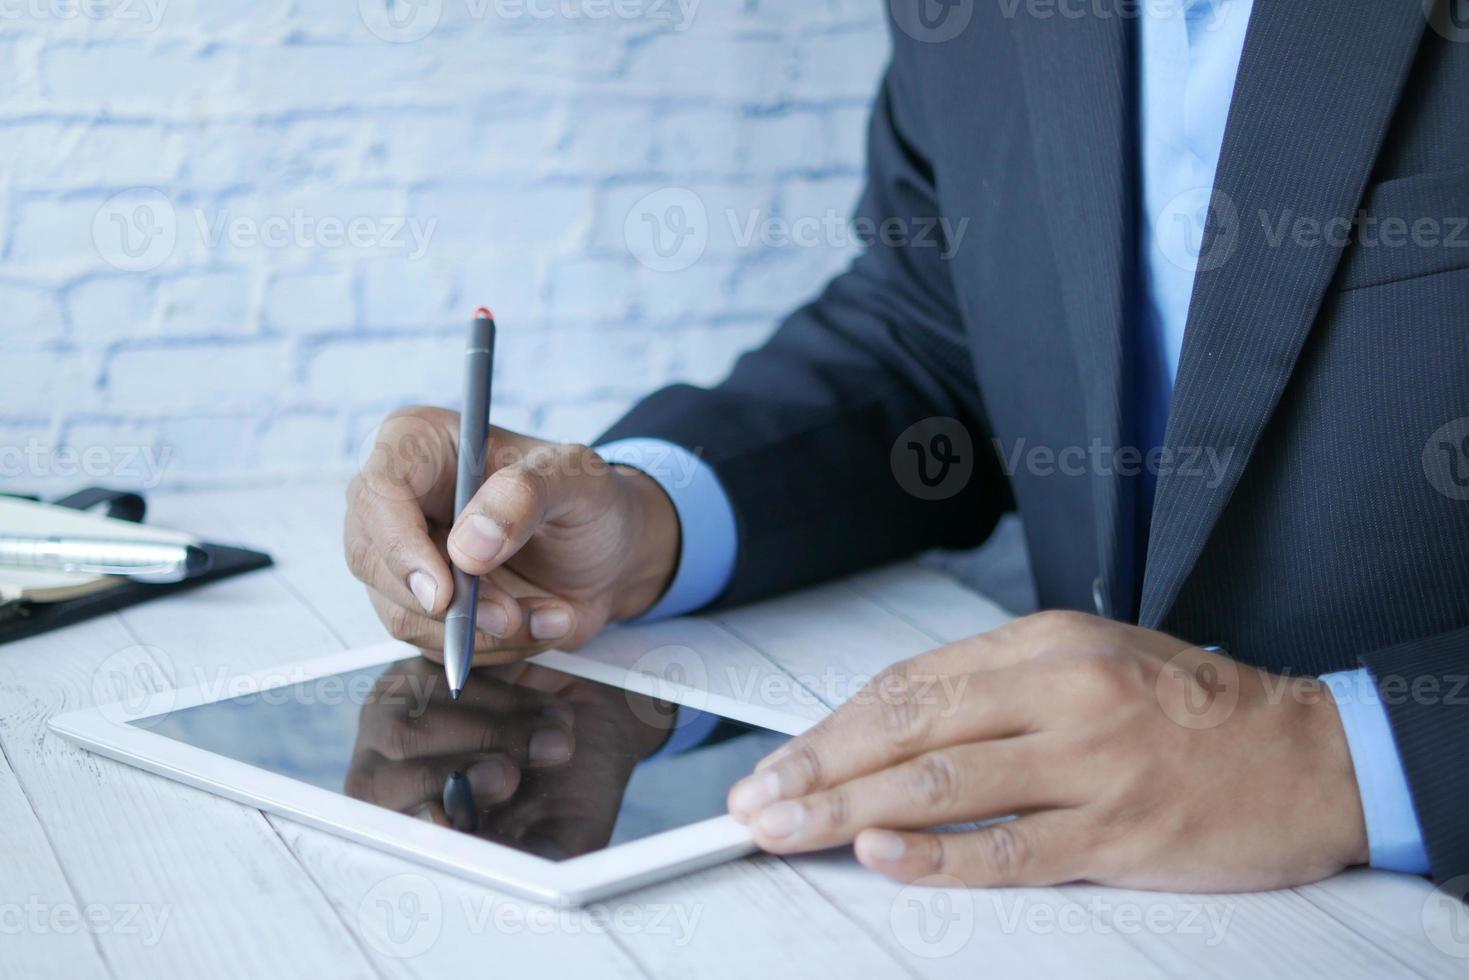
[459, 803]
[474, 432]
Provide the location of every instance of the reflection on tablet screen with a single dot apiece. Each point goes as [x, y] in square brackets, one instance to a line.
[534, 758]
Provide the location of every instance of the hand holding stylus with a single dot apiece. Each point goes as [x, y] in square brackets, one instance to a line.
[560, 542]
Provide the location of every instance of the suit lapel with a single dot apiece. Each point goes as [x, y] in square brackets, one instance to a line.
[1078, 81]
[1316, 89]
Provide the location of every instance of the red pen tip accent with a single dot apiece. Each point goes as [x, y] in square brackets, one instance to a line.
[483, 313]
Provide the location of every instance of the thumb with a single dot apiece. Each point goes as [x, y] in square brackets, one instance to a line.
[546, 482]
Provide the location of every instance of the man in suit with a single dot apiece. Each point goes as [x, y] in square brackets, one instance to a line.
[1205, 330]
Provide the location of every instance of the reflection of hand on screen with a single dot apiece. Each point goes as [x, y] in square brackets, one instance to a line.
[566, 810]
[411, 737]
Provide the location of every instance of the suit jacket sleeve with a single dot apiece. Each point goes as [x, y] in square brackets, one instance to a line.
[1424, 685]
[800, 434]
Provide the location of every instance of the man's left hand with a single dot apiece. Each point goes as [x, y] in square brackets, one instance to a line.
[1126, 756]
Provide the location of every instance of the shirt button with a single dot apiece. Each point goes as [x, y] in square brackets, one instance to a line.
[1100, 601]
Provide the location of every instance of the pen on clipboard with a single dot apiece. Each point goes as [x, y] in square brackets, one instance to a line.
[143, 561]
[474, 431]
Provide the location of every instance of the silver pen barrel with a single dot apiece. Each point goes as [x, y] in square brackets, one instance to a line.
[149, 561]
[474, 432]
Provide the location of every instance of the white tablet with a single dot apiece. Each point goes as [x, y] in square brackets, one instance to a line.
[561, 779]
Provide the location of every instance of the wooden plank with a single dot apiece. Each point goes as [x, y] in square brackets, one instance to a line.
[1425, 929]
[43, 927]
[958, 932]
[204, 878]
[414, 922]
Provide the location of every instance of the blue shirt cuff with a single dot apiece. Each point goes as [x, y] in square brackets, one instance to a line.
[691, 729]
[1393, 835]
[708, 539]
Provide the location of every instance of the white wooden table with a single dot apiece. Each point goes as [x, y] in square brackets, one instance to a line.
[111, 871]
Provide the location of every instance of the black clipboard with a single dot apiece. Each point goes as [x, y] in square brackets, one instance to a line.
[25, 619]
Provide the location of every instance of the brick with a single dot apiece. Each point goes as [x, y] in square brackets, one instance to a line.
[105, 308]
[309, 301]
[198, 375]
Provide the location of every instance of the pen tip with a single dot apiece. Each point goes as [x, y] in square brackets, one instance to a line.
[483, 313]
[454, 693]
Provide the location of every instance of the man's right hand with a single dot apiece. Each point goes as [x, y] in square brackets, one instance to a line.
[563, 543]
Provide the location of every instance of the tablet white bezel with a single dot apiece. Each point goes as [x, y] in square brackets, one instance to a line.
[106, 729]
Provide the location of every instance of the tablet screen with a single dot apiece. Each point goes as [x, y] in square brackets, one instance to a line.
[534, 758]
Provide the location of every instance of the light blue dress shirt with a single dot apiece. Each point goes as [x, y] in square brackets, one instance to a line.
[1190, 55]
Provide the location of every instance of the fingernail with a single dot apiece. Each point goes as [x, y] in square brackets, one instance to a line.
[479, 537]
[489, 780]
[492, 618]
[549, 746]
[753, 792]
[881, 845]
[550, 624]
[781, 820]
[424, 589]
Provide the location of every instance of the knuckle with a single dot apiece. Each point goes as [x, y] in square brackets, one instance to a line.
[836, 808]
[359, 556]
[1002, 851]
[523, 487]
[402, 622]
[805, 767]
[1060, 622]
[903, 721]
[932, 855]
[935, 779]
[1099, 678]
[395, 554]
[400, 739]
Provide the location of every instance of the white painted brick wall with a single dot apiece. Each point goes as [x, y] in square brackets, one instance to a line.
[317, 198]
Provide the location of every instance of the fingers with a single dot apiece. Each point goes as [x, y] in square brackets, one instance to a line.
[967, 782]
[533, 739]
[407, 480]
[544, 482]
[406, 786]
[906, 711]
[411, 626]
[1044, 848]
